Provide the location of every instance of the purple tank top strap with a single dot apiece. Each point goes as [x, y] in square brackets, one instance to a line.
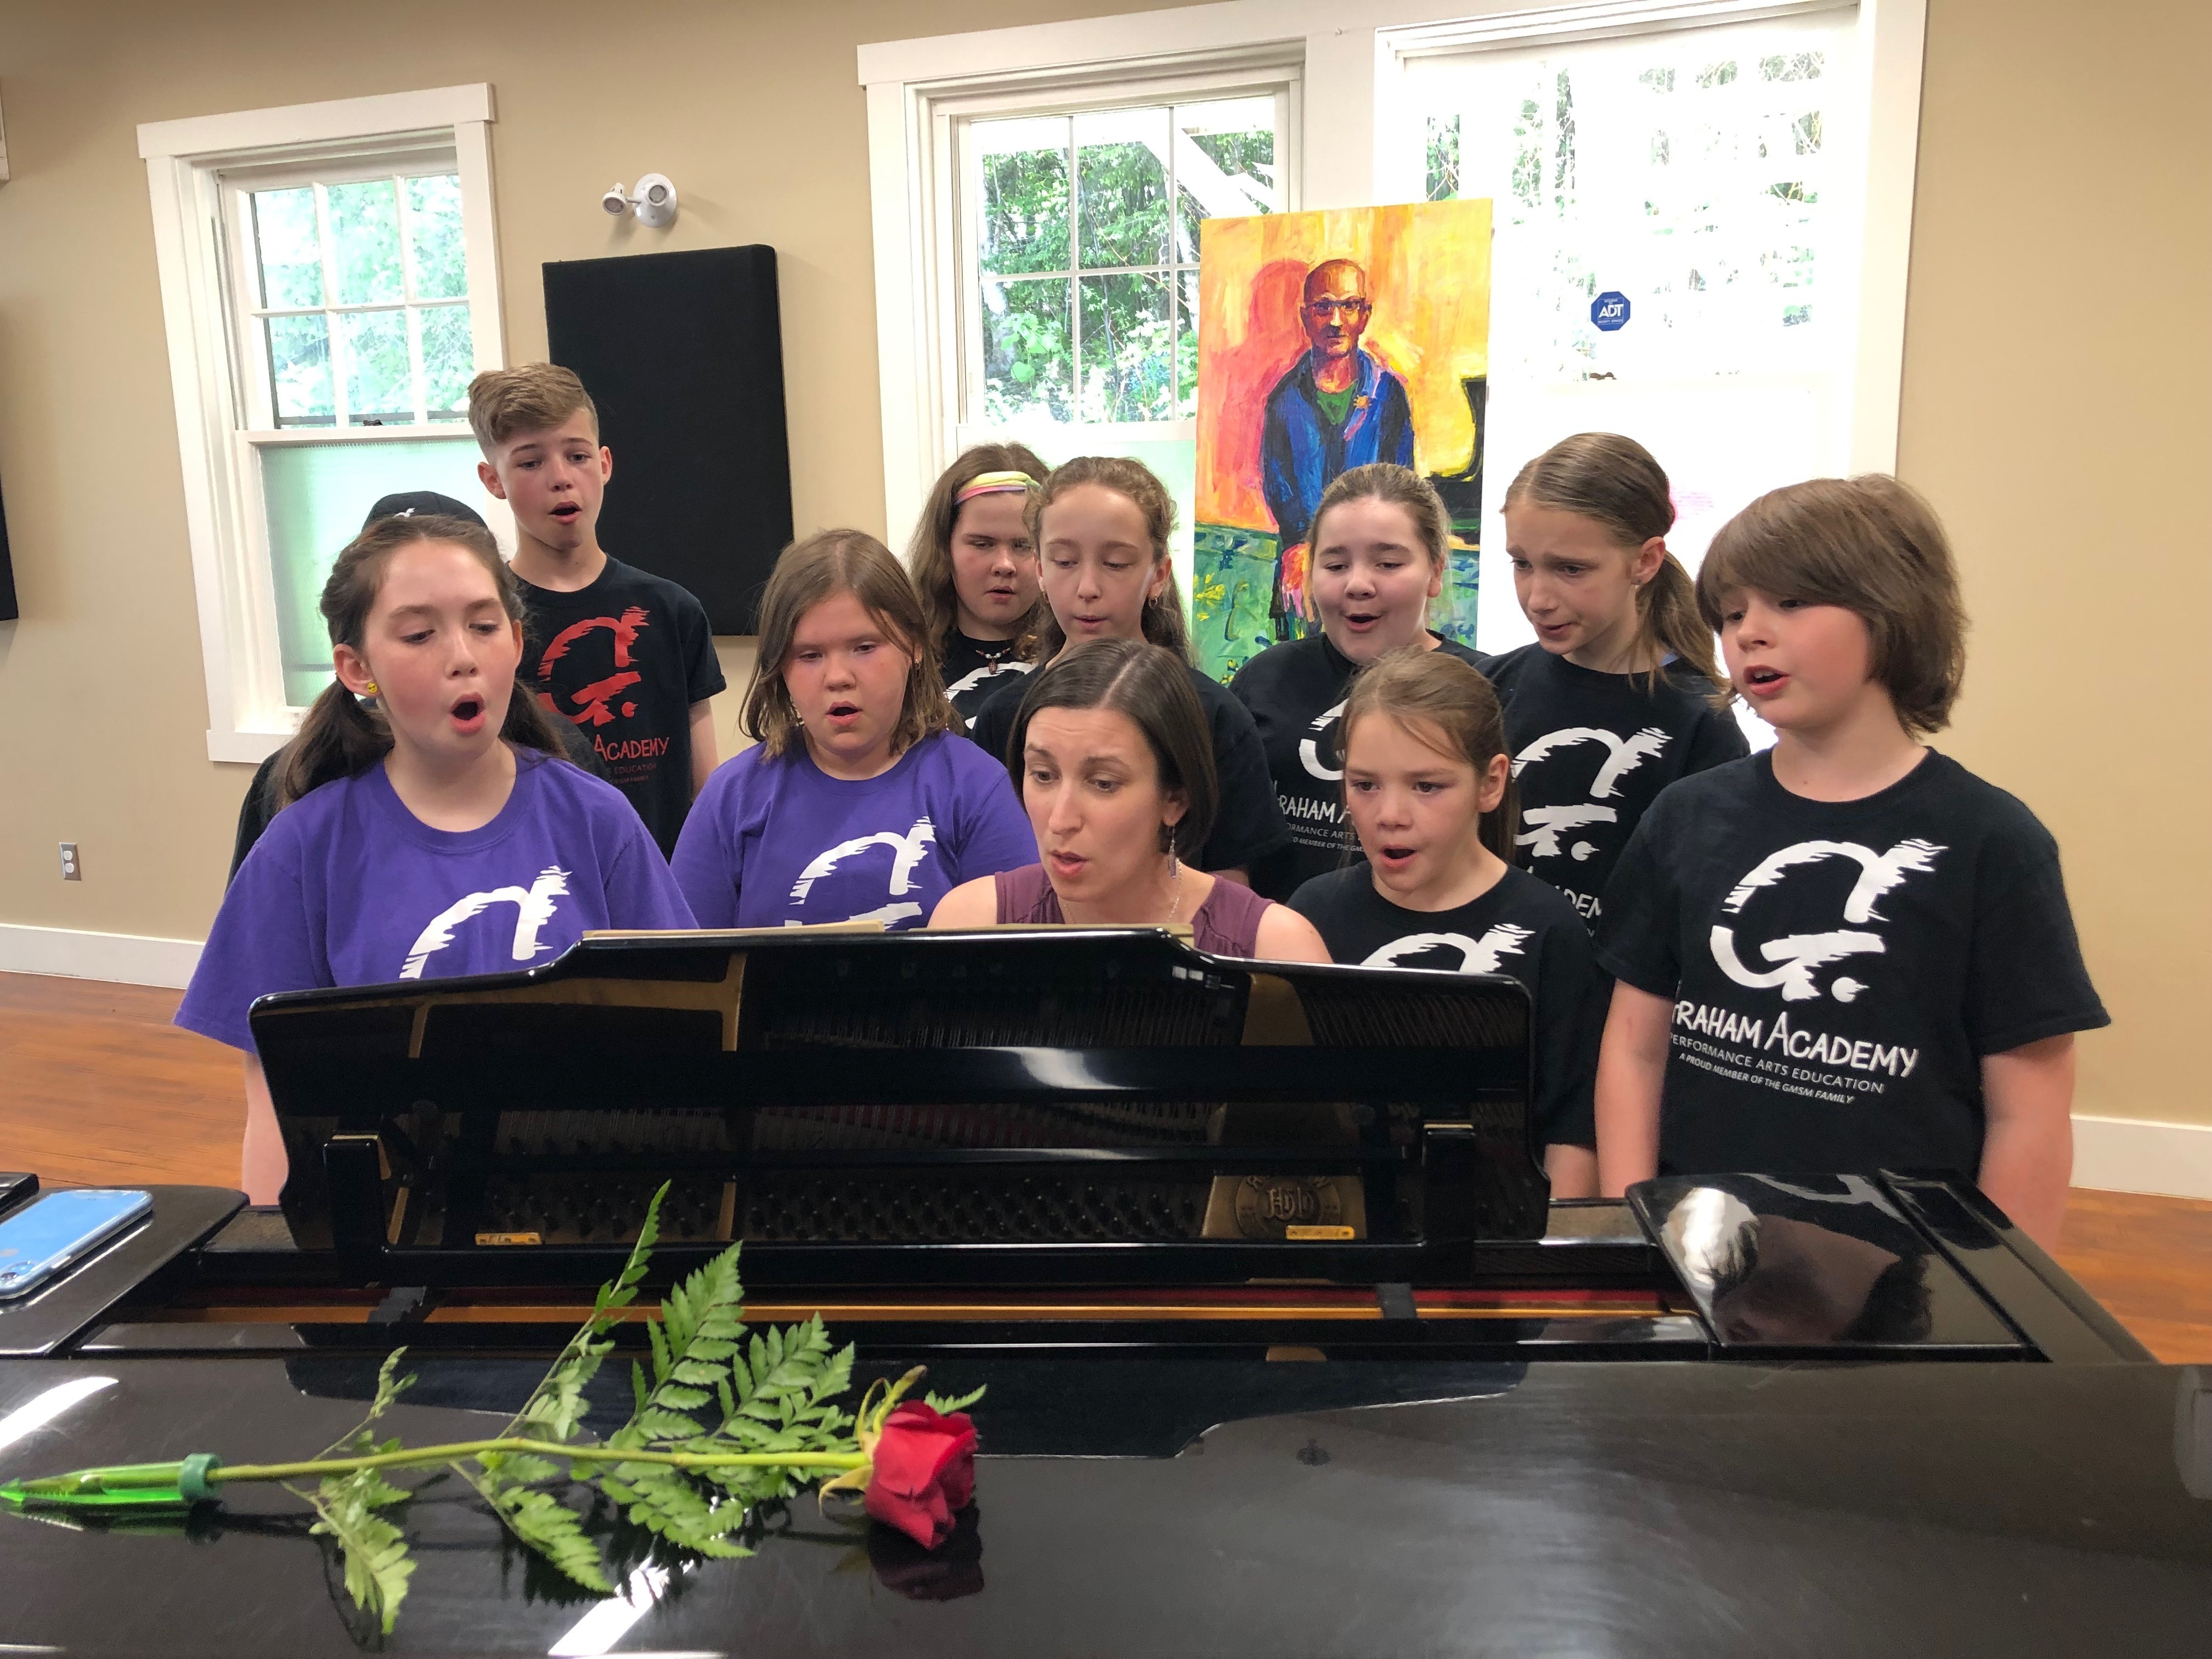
[1228, 923]
[1026, 895]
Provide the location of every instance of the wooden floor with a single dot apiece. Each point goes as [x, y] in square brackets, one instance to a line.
[97, 1087]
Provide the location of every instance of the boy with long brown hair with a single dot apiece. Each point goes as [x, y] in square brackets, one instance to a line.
[1847, 954]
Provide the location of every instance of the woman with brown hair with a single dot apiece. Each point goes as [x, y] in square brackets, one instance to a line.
[975, 568]
[859, 801]
[1117, 772]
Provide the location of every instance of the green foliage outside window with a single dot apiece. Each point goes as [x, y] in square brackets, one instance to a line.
[1087, 239]
[361, 250]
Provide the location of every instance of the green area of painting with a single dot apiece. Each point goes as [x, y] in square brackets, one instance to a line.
[1233, 578]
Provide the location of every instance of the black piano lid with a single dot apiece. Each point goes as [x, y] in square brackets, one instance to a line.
[1616, 1509]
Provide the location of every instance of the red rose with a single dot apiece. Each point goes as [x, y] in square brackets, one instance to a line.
[923, 1469]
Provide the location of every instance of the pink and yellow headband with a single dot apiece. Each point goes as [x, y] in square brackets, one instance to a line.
[995, 484]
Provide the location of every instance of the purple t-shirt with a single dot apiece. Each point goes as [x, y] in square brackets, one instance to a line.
[775, 843]
[348, 887]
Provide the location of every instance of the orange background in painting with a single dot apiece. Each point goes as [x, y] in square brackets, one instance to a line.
[1428, 274]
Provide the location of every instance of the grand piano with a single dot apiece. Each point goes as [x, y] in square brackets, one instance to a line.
[1286, 1349]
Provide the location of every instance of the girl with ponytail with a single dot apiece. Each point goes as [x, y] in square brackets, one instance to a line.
[1621, 695]
[1428, 787]
[429, 827]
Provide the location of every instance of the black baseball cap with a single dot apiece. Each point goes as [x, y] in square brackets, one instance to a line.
[423, 503]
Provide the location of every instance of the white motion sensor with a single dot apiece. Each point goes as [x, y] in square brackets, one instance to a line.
[655, 201]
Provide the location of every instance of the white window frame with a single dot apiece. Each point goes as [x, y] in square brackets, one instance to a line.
[1350, 57]
[955, 232]
[926, 298]
[210, 352]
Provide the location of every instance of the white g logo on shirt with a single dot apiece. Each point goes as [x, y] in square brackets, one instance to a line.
[1309, 746]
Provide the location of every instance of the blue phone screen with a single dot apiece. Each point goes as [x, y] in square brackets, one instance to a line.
[55, 1225]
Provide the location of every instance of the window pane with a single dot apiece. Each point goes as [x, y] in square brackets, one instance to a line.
[288, 248]
[1443, 159]
[1128, 369]
[300, 370]
[1023, 165]
[433, 226]
[317, 494]
[380, 392]
[1028, 366]
[1685, 171]
[1121, 187]
[1225, 165]
[364, 237]
[449, 360]
[1186, 345]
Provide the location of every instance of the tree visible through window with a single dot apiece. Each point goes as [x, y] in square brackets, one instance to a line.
[361, 298]
[1086, 232]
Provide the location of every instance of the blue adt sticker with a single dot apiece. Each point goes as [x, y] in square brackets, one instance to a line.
[1609, 311]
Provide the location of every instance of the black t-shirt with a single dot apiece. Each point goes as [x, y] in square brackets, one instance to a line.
[624, 660]
[1296, 692]
[974, 669]
[1590, 754]
[1521, 929]
[1248, 825]
[1838, 969]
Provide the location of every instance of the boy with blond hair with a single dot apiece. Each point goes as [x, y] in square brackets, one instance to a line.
[624, 655]
[1849, 954]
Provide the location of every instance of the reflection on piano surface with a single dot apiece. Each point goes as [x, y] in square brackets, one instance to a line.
[1138, 1193]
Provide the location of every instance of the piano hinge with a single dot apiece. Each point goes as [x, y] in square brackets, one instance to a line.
[402, 1304]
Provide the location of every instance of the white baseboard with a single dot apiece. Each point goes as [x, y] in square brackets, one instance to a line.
[126, 958]
[2123, 1155]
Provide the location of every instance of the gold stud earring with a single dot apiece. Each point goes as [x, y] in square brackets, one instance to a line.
[369, 690]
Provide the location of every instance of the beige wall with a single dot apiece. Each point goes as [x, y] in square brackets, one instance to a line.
[2057, 410]
[2055, 397]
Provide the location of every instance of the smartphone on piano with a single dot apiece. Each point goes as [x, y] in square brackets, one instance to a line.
[56, 1230]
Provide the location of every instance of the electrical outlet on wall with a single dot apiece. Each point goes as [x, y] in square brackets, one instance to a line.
[72, 869]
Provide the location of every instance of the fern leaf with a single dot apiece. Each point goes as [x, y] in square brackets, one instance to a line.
[950, 1403]
[374, 1551]
[389, 1384]
[556, 1532]
[662, 1360]
[656, 1422]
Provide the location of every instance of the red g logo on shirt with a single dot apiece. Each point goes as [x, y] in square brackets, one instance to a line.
[592, 699]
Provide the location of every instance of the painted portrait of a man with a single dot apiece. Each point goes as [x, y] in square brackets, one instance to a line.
[1336, 407]
[1330, 340]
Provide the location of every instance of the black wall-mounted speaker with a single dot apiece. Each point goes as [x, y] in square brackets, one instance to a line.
[683, 355]
[8, 610]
